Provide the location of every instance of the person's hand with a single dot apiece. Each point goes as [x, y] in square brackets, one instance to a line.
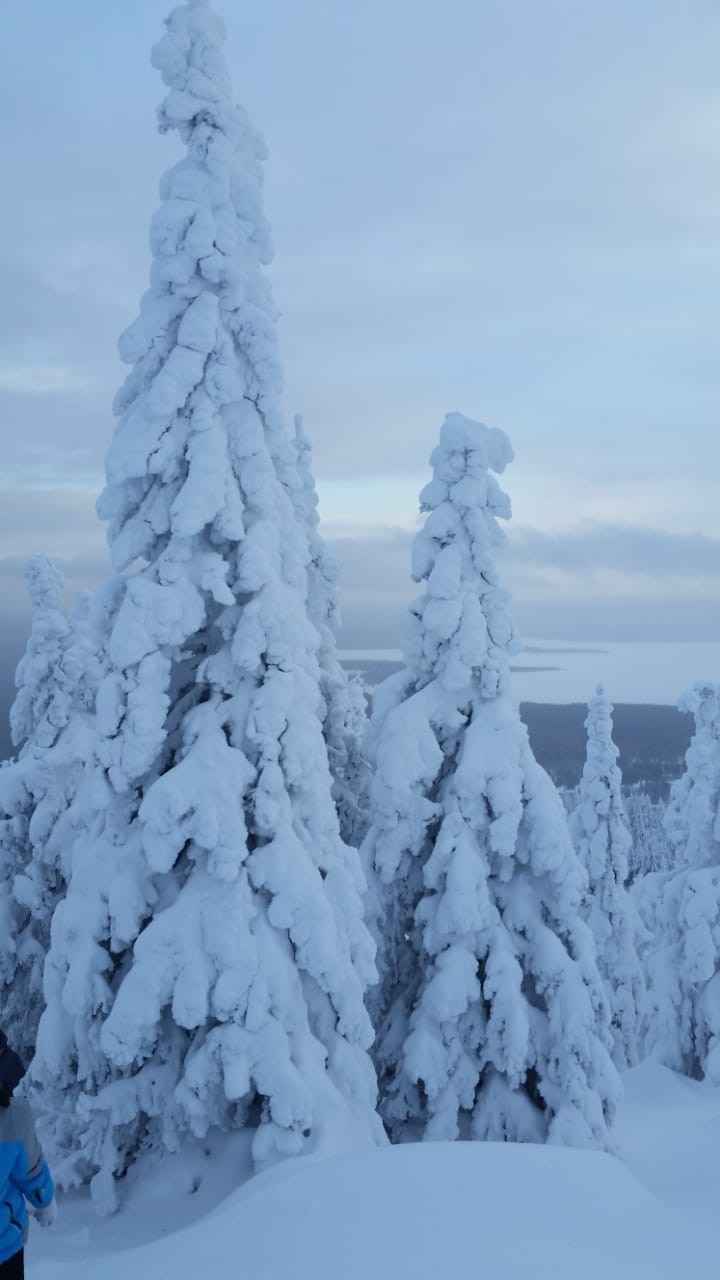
[47, 1215]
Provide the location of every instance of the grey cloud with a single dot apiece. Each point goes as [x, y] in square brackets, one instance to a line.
[488, 227]
[376, 584]
[625, 549]
[57, 522]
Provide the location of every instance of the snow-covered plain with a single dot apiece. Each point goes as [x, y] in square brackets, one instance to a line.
[561, 671]
[430, 1210]
[638, 672]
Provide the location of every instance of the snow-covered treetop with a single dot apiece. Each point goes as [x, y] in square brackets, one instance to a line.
[691, 821]
[602, 753]
[600, 830]
[599, 821]
[323, 587]
[462, 624]
[205, 337]
[41, 707]
[45, 583]
[703, 702]
[307, 482]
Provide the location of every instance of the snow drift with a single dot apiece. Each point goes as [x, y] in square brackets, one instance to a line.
[425, 1210]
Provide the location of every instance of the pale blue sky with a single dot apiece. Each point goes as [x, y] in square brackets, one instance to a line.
[507, 207]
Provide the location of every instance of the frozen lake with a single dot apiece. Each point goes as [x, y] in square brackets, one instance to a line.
[560, 671]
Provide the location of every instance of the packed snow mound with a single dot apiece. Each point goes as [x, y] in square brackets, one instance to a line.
[424, 1211]
[668, 1132]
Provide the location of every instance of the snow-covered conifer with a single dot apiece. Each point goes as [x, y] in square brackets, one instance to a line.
[494, 1022]
[51, 726]
[651, 849]
[600, 832]
[684, 964]
[209, 962]
[691, 815]
[344, 718]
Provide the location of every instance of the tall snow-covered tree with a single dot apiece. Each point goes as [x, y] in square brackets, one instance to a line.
[51, 727]
[344, 718]
[684, 964]
[600, 833]
[493, 1018]
[208, 965]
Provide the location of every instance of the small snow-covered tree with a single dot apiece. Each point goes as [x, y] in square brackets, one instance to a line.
[493, 1019]
[691, 815]
[209, 962]
[600, 833]
[41, 705]
[651, 849]
[358, 775]
[51, 727]
[344, 718]
[684, 963]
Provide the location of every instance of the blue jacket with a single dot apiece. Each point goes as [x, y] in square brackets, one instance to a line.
[24, 1175]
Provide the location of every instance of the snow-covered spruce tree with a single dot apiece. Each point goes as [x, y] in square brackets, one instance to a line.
[51, 727]
[684, 965]
[209, 962]
[651, 849]
[599, 829]
[344, 718]
[691, 814]
[494, 1022]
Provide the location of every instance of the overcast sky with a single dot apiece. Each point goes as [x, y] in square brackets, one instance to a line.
[506, 207]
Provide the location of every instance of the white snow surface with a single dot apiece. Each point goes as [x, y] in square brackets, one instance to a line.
[656, 673]
[429, 1210]
[562, 671]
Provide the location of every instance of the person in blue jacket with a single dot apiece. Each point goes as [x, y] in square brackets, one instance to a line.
[24, 1175]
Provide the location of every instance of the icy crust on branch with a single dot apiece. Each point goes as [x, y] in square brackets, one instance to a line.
[51, 722]
[344, 716]
[493, 1018]
[600, 832]
[683, 907]
[209, 962]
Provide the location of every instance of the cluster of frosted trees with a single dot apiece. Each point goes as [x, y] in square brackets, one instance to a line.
[229, 904]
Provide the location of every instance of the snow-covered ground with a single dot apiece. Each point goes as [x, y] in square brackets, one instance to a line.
[561, 671]
[631, 671]
[431, 1211]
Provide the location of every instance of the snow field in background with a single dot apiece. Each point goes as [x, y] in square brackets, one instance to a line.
[561, 671]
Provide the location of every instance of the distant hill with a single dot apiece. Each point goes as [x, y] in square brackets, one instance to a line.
[652, 742]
